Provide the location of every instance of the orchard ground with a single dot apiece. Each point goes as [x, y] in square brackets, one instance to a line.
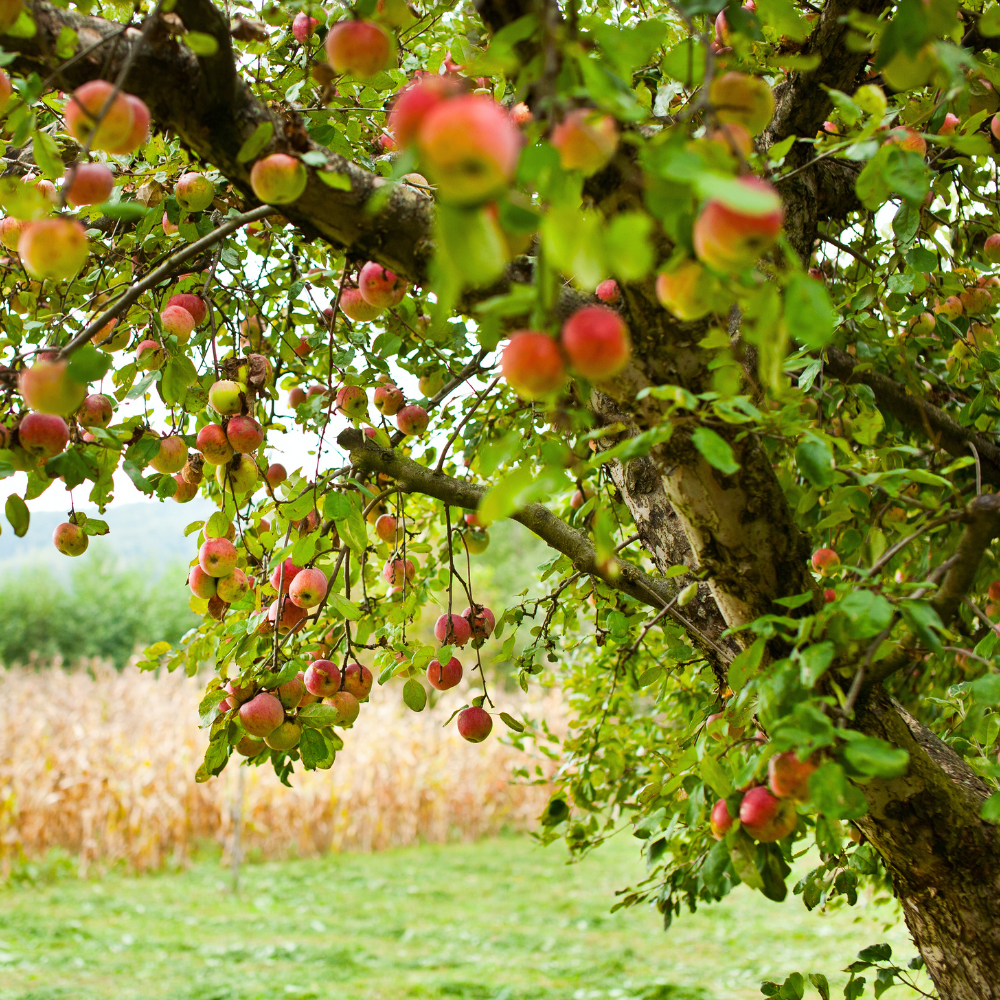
[501, 919]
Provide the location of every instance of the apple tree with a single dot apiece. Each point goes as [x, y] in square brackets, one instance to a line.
[700, 294]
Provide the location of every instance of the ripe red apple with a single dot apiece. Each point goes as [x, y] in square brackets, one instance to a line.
[482, 623]
[43, 435]
[234, 587]
[788, 777]
[358, 681]
[308, 588]
[178, 322]
[386, 527]
[829, 595]
[214, 445]
[609, 292]
[322, 679]
[48, 387]
[744, 100]
[194, 192]
[765, 817]
[520, 114]
[950, 123]
[597, 343]
[6, 89]
[909, 140]
[454, 630]
[413, 104]
[720, 822]
[217, 557]
[279, 179]
[292, 617]
[732, 235]
[469, 147]
[172, 456]
[825, 560]
[296, 396]
[393, 571]
[586, 140]
[361, 48]
[443, 676]
[474, 724]
[291, 693]
[275, 475]
[95, 411]
[379, 286]
[262, 714]
[347, 708]
[281, 578]
[88, 184]
[352, 401]
[239, 693]
[354, 306]
[140, 127]
[53, 248]
[302, 27]
[150, 356]
[389, 399]
[412, 419]
[83, 108]
[194, 304]
[532, 365]
[11, 228]
[690, 291]
[169, 228]
[991, 248]
[244, 434]
[70, 539]
[201, 583]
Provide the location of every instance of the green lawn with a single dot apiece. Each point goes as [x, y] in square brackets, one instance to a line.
[498, 920]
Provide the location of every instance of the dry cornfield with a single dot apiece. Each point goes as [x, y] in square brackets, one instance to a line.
[103, 766]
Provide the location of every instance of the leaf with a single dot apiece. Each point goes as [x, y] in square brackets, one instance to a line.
[991, 809]
[336, 506]
[872, 756]
[339, 182]
[258, 139]
[814, 661]
[511, 723]
[989, 24]
[18, 514]
[741, 853]
[685, 62]
[316, 750]
[349, 609]
[715, 450]
[178, 373]
[129, 211]
[414, 695]
[200, 43]
[822, 985]
[353, 531]
[46, 154]
[627, 249]
[876, 953]
[814, 457]
[715, 777]
[318, 715]
[745, 663]
[809, 312]
[88, 364]
[833, 795]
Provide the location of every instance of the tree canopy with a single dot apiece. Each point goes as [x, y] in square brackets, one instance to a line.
[701, 294]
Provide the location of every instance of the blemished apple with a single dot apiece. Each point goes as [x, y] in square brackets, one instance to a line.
[474, 724]
[361, 48]
[88, 184]
[84, 106]
[379, 286]
[923, 324]
[43, 435]
[586, 140]
[788, 777]
[354, 306]
[96, 410]
[690, 291]
[217, 557]
[412, 105]
[172, 456]
[443, 676]
[951, 308]
[395, 569]
[347, 706]
[597, 342]
[194, 192]
[387, 528]
[765, 817]
[225, 397]
[412, 419]
[291, 693]
[48, 387]
[481, 623]
[244, 434]
[279, 179]
[201, 583]
[453, 630]
[194, 304]
[322, 678]
[742, 99]
[532, 364]
[150, 356]
[70, 539]
[731, 235]
[308, 588]
[283, 574]
[609, 292]
[276, 474]
[389, 399]
[185, 491]
[178, 322]
[825, 561]
[358, 681]
[720, 821]
[53, 248]
[214, 445]
[284, 737]
[233, 587]
[238, 476]
[352, 402]
[262, 714]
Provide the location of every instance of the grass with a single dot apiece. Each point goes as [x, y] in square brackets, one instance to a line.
[501, 919]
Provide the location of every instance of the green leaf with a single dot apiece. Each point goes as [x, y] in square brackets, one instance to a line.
[353, 531]
[741, 853]
[18, 514]
[511, 723]
[339, 603]
[318, 715]
[88, 364]
[809, 312]
[414, 695]
[685, 62]
[627, 249]
[715, 777]
[258, 139]
[178, 373]
[46, 153]
[339, 182]
[129, 211]
[814, 457]
[715, 450]
[814, 661]
[833, 795]
[872, 756]
[316, 750]
[745, 663]
[200, 43]
[991, 807]
[336, 506]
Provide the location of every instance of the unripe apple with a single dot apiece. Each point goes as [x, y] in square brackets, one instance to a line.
[379, 286]
[393, 571]
[322, 679]
[11, 229]
[292, 617]
[586, 140]
[453, 630]
[201, 583]
[217, 557]
[172, 455]
[597, 343]
[361, 48]
[262, 714]
[194, 192]
[88, 184]
[387, 528]
[730, 236]
[140, 127]
[609, 292]
[244, 434]
[302, 27]
[825, 561]
[233, 587]
[389, 400]
[430, 385]
[296, 396]
[225, 397]
[443, 676]
[469, 147]
[275, 475]
[720, 822]
[194, 304]
[291, 693]
[150, 356]
[53, 248]
[70, 539]
[284, 737]
[250, 747]
[239, 475]
[412, 419]
[279, 179]
[43, 435]
[281, 578]
[308, 588]
[745, 100]
[788, 777]
[358, 681]
[951, 308]
[923, 324]
[690, 291]
[95, 411]
[176, 320]
[354, 306]
[476, 541]
[474, 724]
[48, 387]
[482, 623]
[352, 402]
[214, 445]
[413, 104]
[765, 817]
[347, 708]
[83, 108]
[532, 365]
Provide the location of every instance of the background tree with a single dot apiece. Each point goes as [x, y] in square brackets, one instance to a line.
[692, 292]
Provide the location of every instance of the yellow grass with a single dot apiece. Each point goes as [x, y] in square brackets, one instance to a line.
[104, 767]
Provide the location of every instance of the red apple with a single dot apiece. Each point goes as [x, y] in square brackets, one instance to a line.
[389, 400]
[308, 588]
[825, 560]
[172, 456]
[742, 99]
[992, 247]
[70, 539]
[302, 27]
[275, 475]
[347, 708]
[394, 569]
[217, 557]
[482, 623]
[386, 527]
[731, 235]
[292, 617]
[597, 343]
[444, 675]
[281, 578]
[720, 822]
[765, 817]
[361, 48]
[474, 724]
[609, 292]
[234, 587]
[194, 192]
[48, 387]
[244, 434]
[412, 419]
[194, 304]
[354, 306]
[140, 127]
[322, 679]
[352, 402]
[296, 396]
[43, 435]
[413, 104]
[150, 356]
[83, 108]
[214, 445]
[201, 583]
[291, 693]
[262, 714]
[586, 140]
[358, 680]
[53, 248]
[11, 228]
[788, 777]
[453, 630]
[95, 411]
[532, 365]
[178, 322]
[379, 286]
[88, 184]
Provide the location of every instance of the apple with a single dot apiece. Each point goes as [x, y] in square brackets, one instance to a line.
[150, 356]
[279, 179]
[474, 724]
[53, 248]
[201, 583]
[379, 286]
[42, 435]
[88, 184]
[742, 99]
[453, 630]
[412, 419]
[443, 676]
[765, 817]
[469, 147]
[951, 308]
[11, 228]
[70, 539]
[347, 708]
[720, 821]
[291, 693]
[302, 27]
[532, 365]
[358, 680]
[387, 528]
[733, 137]
[389, 399]
[214, 445]
[950, 123]
[292, 617]
[233, 587]
[193, 304]
[6, 89]
[194, 192]
[829, 595]
[308, 588]
[354, 306]
[169, 228]
[244, 434]
[991, 248]
[412, 105]
[586, 140]
[240, 693]
[788, 777]
[225, 397]
[609, 292]
[520, 114]
[296, 396]
[361, 48]
[825, 561]
[275, 475]
[430, 385]
[482, 623]
[217, 557]
[731, 235]
[172, 455]
[923, 324]
[690, 291]
[83, 108]
[729, 731]
[284, 737]
[95, 411]
[239, 476]
[140, 127]
[909, 140]
[580, 497]
[352, 402]
[476, 541]
[48, 387]
[597, 343]
[177, 321]
[393, 571]
[250, 747]
[283, 574]
[322, 679]
[262, 714]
